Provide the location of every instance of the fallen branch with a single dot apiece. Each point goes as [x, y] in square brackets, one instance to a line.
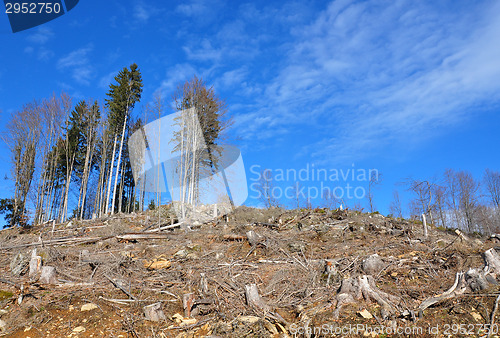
[136, 236]
[119, 287]
[171, 226]
[473, 280]
[58, 241]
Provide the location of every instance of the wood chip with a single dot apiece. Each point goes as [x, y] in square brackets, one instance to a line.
[365, 314]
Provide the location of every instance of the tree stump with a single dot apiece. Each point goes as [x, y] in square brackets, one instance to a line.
[254, 299]
[473, 280]
[48, 275]
[35, 264]
[154, 312]
[354, 289]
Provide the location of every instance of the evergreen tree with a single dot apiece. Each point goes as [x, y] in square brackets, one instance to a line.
[122, 98]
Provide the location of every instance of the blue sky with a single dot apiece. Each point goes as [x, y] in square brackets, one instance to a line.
[409, 88]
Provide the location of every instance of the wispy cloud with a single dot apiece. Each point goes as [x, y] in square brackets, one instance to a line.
[203, 51]
[107, 79]
[174, 77]
[37, 43]
[193, 8]
[41, 35]
[144, 11]
[366, 75]
[77, 62]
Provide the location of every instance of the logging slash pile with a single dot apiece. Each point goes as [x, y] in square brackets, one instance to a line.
[254, 273]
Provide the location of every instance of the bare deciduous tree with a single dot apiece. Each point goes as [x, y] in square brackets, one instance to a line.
[373, 182]
[265, 186]
[395, 206]
[468, 197]
[423, 202]
[492, 185]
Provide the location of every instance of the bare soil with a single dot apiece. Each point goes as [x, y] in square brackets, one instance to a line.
[297, 264]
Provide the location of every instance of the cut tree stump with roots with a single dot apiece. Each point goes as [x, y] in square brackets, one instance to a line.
[356, 288]
[473, 280]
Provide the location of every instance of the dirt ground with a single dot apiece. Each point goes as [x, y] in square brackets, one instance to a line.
[109, 270]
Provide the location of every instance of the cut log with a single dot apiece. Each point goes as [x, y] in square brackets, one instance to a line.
[141, 235]
[354, 289]
[154, 312]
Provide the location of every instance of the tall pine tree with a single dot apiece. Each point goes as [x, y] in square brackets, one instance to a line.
[122, 97]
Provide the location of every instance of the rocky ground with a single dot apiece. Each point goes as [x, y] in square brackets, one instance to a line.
[256, 273]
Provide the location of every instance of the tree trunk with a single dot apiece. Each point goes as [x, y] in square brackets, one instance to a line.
[110, 177]
[69, 172]
[120, 156]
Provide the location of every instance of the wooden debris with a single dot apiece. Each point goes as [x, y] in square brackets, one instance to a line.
[157, 264]
[188, 303]
[354, 289]
[365, 314]
[373, 264]
[461, 235]
[117, 284]
[19, 264]
[253, 238]
[253, 298]
[35, 264]
[88, 307]
[142, 236]
[154, 312]
[493, 314]
[232, 237]
[48, 275]
[473, 280]
[167, 227]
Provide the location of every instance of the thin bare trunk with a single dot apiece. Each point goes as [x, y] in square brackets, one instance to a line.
[110, 177]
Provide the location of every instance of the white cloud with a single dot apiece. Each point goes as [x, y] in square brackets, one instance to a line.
[144, 11]
[365, 75]
[107, 79]
[232, 78]
[193, 8]
[203, 51]
[45, 54]
[77, 62]
[141, 13]
[41, 35]
[175, 76]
